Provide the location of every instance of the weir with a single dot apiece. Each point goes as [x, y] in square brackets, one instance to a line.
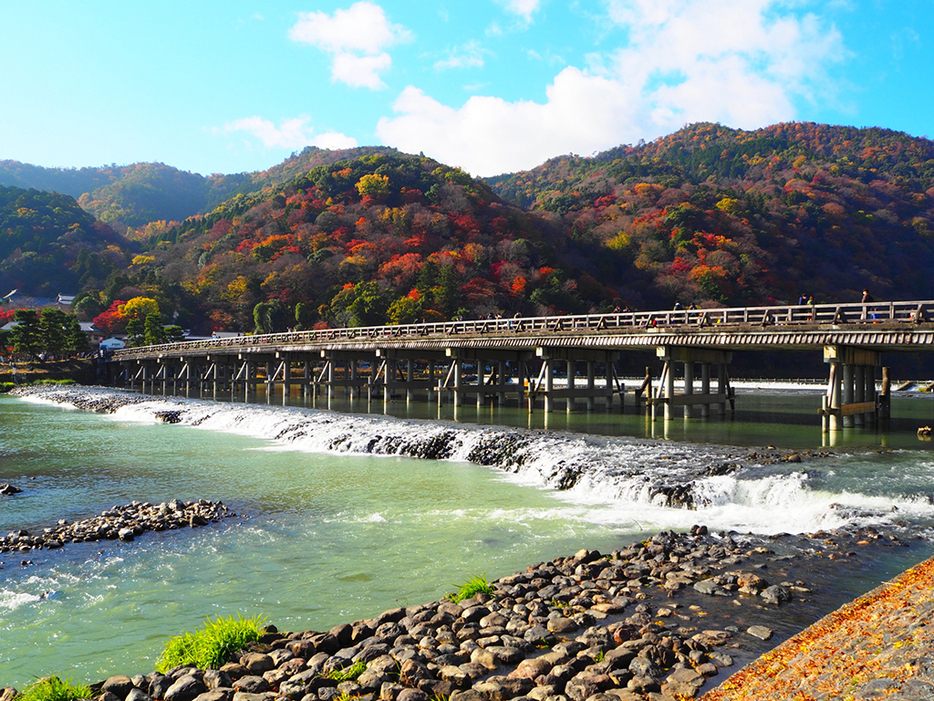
[570, 362]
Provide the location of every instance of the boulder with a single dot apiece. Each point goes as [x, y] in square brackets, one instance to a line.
[760, 632]
[138, 695]
[185, 688]
[776, 594]
[119, 685]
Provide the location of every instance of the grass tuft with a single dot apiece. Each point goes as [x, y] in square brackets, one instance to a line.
[55, 689]
[476, 584]
[209, 647]
[348, 674]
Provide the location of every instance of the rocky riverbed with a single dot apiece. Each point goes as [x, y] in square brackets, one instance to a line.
[120, 522]
[664, 618]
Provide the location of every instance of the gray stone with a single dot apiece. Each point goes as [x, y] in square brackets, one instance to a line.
[107, 696]
[138, 695]
[761, 632]
[294, 690]
[486, 658]
[643, 667]
[467, 695]
[119, 685]
[561, 625]
[710, 587]
[251, 684]
[158, 685]
[186, 688]
[503, 688]
[412, 671]
[776, 594]
[412, 695]
[221, 694]
[215, 678]
[257, 662]
[245, 696]
[580, 689]
[532, 668]
[389, 691]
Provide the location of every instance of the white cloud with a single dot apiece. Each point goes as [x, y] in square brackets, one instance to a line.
[524, 8]
[470, 55]
[743, 64]
[291, 134]
[356, 38]
[360, 71]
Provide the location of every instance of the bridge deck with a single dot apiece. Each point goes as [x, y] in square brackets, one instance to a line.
[881, 326]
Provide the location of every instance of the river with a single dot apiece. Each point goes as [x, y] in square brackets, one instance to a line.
[338, 521]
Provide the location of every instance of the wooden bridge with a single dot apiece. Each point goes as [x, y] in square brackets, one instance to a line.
[545, 359]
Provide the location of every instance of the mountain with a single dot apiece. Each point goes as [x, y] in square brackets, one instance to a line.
[363, 240]
[130, 197]
[48, 244]
[717, 215]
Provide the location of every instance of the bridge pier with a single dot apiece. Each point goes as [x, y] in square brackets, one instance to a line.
[851, 388]
[688, 357]
[544, 384]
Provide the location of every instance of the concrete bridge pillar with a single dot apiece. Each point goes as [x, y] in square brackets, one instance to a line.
[705, 388]
[501, 380]
[851, 390]
[549, 370]
[591, 383]
[849, 393]
[688, 386]
[457, 369]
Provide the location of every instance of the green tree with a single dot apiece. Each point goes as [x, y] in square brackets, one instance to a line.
[405, 310]
[304, 315]
[77, 338]
[26, 335]
[269, 317]
[53, 330]
[370, 306]
[136, 332]
[174, 334]
[153, 332]
[373, 186]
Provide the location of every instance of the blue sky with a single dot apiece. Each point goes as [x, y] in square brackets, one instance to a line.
[492, 86]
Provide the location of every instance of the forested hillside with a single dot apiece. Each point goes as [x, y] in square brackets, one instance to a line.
[129, 198]
[709, 216]
[48, 244]
[363, 241]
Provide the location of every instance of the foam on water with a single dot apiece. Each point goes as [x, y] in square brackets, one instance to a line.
[626, 481]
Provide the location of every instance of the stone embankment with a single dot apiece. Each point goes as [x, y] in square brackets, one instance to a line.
[879, 646]
[629, 625]
[121, 522]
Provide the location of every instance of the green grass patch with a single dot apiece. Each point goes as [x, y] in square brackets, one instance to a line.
[54, 382]
[209, 647]
[55, 689]
[348, 674]
[6, 387]
[475, 585]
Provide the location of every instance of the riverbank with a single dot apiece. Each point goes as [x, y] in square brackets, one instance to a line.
[663, 618]
[77, 369]
[880, 645]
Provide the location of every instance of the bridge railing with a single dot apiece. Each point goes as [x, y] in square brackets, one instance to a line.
[628, 322]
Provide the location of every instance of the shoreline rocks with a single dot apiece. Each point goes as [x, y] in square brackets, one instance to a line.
[119, 523]
[589, 627]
